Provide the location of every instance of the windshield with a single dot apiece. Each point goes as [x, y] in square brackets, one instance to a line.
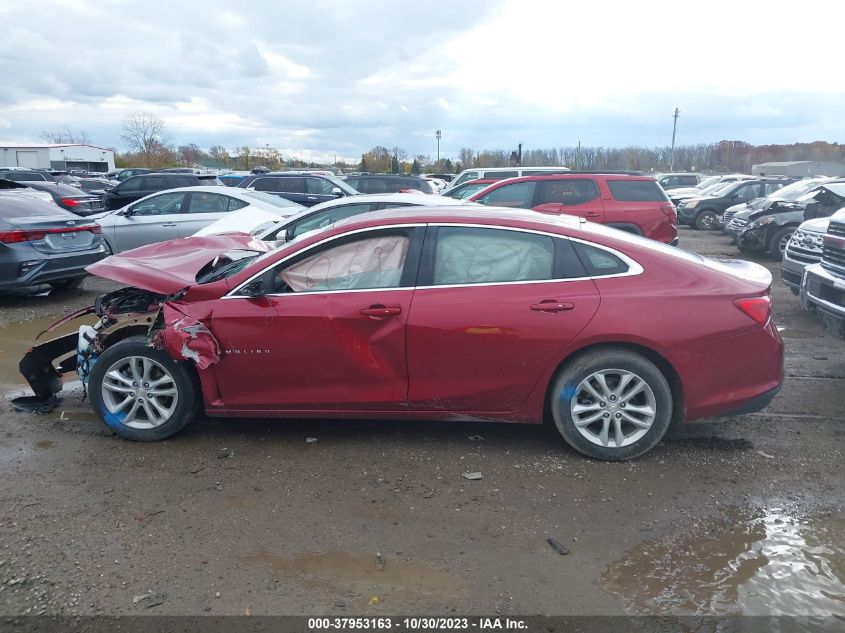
[465, 191]
[226, 265]
[708, 182]
[269, 198]
[792, 191]
[344, 187]
[721, 189]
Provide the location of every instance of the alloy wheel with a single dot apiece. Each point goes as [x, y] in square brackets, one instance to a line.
[613, 408]
[140, 392]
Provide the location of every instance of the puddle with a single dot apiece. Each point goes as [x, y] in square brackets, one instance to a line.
[17, 338]
[342, 570]
[44, 444]
[764, 563]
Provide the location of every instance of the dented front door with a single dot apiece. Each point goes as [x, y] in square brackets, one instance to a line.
[328, 335]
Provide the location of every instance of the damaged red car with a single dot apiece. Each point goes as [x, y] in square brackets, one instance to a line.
[453, 314]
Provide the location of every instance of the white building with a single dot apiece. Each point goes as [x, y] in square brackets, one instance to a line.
[50, 156]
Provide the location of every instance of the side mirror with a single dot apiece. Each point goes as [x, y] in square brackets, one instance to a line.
[337, 192]
[255, 288]
[127, 211]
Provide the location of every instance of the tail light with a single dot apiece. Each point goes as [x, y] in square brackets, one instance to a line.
[70, 202]
[13, 237]
[758, 309]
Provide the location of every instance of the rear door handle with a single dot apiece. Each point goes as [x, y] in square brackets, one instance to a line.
[552, 305]
[311, 197]
[169, 224]
[379, 311]
[592, 214]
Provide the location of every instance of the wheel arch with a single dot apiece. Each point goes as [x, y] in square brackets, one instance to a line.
[660, 361]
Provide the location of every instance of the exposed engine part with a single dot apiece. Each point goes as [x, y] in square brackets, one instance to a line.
[127, 300]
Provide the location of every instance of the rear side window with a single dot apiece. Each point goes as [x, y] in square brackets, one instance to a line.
[501, 175]
[154, 183]
[265, 184]
[476, 256]
[291, 185]
[636, 191]
[184, 181]
[688, 181]
[599, 262]
[568, 192]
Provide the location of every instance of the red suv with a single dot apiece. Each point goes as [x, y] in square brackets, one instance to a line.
[632, 203]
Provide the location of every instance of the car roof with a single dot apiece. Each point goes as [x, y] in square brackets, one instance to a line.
[412, 198]
[386, 176]
[461, 214]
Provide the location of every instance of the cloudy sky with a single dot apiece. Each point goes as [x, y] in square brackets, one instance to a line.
[317, 79]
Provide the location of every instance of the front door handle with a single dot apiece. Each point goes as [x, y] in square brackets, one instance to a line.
[592, 214]
[552, 305]
[379, 311]
[311, 197]
[169, 224]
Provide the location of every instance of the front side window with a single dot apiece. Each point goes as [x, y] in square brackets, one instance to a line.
[478, 255]
[129, 186]
[747, 192]
[569, 192]
[319, 186]
[364, 263]
[208, 203]
[265, 184]
[291, 185]
[165, 204]
[501, 175]
[518, 195]
[470, 175]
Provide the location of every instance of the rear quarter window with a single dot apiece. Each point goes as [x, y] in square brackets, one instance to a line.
[599, 262]
[636, 191]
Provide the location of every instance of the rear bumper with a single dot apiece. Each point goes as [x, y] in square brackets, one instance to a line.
[739, 374]
[53, 268]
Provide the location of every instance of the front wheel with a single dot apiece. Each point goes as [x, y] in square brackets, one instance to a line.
[611, 404]
[141, 393]
[706, 221]
[777, 245]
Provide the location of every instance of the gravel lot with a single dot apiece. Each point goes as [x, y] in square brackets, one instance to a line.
[377, 518]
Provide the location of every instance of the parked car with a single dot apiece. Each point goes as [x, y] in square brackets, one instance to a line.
[387, 183]
[500, 173]
[95, 186]
[10, 187]
[324, 214]
[804, 248]
[137, 187]
[678, 180]
[468, 188]
[27, 175]
[232, 179]
[784, 194]
[703, 212]
[823, 284]
[43, 244]
[180, 213]
[770, 229]
[70, 198]
[635, 204]
[306, 189]
[558, 317]
[123, 174]
[679, 195]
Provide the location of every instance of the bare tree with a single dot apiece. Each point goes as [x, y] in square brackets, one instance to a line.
[66, 137]
[147, 135]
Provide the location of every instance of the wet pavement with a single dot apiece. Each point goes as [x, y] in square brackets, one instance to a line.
[734, 516]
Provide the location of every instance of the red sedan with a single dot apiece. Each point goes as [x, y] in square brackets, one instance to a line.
[454, 314]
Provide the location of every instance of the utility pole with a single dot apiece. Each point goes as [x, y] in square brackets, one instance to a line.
[674, 129]
[437, 134]
[578, 156]
[519, 155]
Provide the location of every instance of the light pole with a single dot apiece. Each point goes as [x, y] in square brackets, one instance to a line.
[674, 129]
[437, 135]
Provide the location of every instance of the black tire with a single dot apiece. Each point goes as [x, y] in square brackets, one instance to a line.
[566, 387]
[188, 392]
[778, 240]
[707, 221]
[66, 284]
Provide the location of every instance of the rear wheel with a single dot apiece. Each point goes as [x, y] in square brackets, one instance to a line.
[706, 221]
[611, 404]
[141, 393]
[778, 242]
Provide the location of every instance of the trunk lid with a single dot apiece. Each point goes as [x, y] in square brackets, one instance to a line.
[55, 234]
[168, 267]
[756, 276]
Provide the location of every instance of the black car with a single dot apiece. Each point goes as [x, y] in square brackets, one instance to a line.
[70, 198]
[42, 244]
[136, 187]
[303, 188]
[95, 186]
[703, 212]
[385, 183]
[769, 229]
[25, 175]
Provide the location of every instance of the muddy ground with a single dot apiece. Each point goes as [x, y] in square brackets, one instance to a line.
[739, 515]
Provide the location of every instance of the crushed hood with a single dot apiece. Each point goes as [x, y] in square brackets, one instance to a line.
[168, 267]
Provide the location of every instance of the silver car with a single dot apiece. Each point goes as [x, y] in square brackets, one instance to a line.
[803, 249]
[181, 212]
